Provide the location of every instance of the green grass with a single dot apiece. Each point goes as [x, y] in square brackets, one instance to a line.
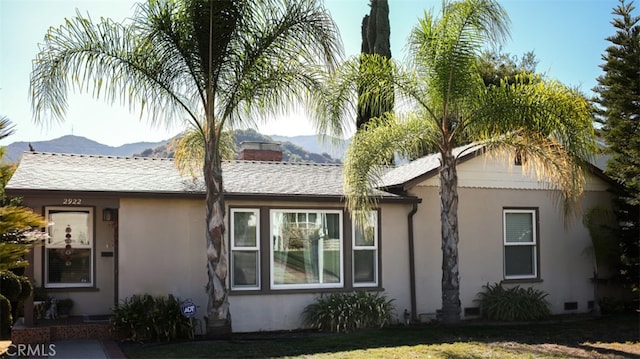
[610, 337]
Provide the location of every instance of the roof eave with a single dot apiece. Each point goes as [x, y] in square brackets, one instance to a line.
[21, 192]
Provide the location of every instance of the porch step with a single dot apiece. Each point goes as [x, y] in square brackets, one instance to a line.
[47, 331]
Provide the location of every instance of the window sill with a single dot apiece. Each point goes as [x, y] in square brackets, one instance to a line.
[522, 280]
[304, 291]
[72, 289]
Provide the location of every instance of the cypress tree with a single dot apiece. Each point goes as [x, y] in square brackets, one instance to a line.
[375, 40]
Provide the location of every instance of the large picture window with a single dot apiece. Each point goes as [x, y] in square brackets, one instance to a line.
[69, 248]
[365, 250]
[520, 244]
[245, 249]
[306, 249]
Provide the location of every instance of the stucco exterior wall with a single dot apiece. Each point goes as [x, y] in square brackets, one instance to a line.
[565, 265]
[162, 249]
[91, 301]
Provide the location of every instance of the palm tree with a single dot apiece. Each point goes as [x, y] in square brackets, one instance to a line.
[210, 64]
[442, 103]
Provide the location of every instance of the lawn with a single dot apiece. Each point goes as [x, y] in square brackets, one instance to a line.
[573, 337]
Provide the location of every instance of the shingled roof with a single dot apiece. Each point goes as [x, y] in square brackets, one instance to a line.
[423, 167]
[40, 171]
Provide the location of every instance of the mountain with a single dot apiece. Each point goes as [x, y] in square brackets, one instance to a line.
[332, 146]
[291, 152]
[78, 145]
[299, 151]
[294, 149]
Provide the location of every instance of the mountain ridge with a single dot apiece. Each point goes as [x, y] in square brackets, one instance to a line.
[296, 148]
[76, 145]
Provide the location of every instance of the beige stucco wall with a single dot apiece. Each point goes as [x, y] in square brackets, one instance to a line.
[565, 263]
[91, 301]
[162, 249]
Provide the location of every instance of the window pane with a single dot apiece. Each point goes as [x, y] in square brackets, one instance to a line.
[364, 266]
[304, 248]
[519, 261]
[365, 232]
[76, 224]
[519, 227]
[73, 267]
[331, 255]
[244, 229]
[245, 268]
[332, 221]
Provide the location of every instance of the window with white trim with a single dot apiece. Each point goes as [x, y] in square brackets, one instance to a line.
[520, 244]
[365, 250]
[68, 252]
[306, 249]
[245, 248]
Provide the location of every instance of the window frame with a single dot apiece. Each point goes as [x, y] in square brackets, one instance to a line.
[282, 287]
[92, 247]
[255, 249]
[374, 248]
[534, 243]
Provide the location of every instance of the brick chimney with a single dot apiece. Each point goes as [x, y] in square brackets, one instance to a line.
[260, 151]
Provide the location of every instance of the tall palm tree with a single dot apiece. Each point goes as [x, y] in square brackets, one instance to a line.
[442, 103]
[212, 64]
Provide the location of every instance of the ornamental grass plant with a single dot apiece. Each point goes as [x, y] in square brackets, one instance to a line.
[513, 304]
[346, 312]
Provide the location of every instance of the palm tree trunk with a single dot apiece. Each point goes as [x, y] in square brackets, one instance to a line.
[218, 316]
[450, 237]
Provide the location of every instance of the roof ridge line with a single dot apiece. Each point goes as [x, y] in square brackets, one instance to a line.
[67, 154]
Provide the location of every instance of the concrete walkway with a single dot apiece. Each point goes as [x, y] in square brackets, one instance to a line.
[72, 349]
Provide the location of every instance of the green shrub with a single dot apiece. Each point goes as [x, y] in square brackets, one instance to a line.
[144, 318]
[6, 320]
[10, 286]
[513, 304]
[344, 312]
[25, 288]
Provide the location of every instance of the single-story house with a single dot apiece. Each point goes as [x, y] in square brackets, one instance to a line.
[121, 226]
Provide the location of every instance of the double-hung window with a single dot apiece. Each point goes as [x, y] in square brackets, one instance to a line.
[365, 250]
[245, 248]
[69, 249]
[520, 244]
[306, 249]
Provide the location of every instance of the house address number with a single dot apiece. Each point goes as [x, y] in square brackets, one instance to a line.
[72, 201]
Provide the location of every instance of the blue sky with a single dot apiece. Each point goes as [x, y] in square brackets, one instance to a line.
[567, 36]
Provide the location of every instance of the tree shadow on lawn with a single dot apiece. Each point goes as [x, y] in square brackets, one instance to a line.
[565, 336]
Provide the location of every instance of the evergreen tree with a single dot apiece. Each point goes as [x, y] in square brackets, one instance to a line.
[618, 97]
[375, 41]
[495, 67]
[19, 226]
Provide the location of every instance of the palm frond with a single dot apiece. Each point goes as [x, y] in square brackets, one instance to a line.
[7, 128]
[111, 61]
[372, 147]
[544, 122]
[189, 151]
[263, 76]
[444, 50]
